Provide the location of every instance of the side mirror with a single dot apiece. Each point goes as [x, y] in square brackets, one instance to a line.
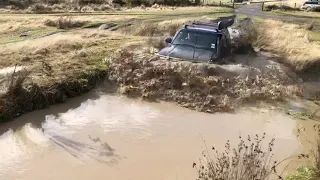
[168, 40]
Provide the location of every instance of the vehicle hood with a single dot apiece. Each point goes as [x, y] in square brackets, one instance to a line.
[187, 53]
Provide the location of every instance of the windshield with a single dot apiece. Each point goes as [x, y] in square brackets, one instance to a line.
[196, 39]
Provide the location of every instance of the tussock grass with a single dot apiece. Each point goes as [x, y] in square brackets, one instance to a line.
[65, 22]
[294, 47]
[281, 7]
[40, 7]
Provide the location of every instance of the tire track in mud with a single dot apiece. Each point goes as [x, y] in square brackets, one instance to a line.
[32, 38]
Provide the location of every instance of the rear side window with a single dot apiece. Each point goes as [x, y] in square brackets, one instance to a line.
[312, 2]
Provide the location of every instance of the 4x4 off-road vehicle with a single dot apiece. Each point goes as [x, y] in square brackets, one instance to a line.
[200, 42]
[311, 5]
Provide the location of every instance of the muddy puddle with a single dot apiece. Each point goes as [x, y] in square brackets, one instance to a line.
[110, 137]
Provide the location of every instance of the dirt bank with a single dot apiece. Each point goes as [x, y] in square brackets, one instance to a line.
[203, 87]
[24, 96]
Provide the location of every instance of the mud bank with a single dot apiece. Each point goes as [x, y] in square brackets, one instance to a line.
[23, 96]
[199, 86]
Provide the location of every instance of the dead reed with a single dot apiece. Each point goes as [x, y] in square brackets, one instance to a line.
[247, 161]
[251, 159]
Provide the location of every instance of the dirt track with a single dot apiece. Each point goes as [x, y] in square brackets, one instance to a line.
[254, 10]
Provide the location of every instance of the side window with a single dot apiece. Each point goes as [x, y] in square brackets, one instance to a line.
[312, 2]
[180, 37]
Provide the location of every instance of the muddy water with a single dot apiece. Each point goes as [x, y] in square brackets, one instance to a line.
[111, 137]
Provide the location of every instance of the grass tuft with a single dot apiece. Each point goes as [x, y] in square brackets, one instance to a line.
[249, 160]
[65, 22]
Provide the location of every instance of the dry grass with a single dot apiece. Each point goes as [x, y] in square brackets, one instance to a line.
[295, 47]
[280, 7]
[51, 42]
[65, 22]
[10, 24]
[40, 7]
[300, 13]
[65, 53]
[249, 160]
[174, 9]
[147, 28]
[62, 66]
[289, 3]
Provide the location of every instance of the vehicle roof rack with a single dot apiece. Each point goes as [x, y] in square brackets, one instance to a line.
[200, 27]
[204, 25]
[209, 25]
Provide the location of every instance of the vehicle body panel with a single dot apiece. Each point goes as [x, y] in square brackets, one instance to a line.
[310, 4]
[188, 53]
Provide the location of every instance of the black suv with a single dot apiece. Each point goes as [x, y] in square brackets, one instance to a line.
[200, 42]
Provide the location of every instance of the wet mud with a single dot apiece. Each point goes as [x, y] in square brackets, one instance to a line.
[204, 87]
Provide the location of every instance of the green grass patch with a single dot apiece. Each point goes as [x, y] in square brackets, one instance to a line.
[314, 35]
[296, 13]
[302, 173]
[29, 34]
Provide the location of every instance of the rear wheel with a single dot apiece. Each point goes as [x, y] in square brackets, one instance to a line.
[308, 8]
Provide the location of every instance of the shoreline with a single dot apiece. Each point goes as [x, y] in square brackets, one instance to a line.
[31, 96]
